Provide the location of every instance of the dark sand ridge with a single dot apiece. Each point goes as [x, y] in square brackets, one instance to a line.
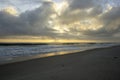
[97, 64]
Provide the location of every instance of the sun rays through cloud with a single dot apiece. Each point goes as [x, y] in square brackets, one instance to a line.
[61, 19]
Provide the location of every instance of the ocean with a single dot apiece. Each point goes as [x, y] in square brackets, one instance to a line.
[13, 53]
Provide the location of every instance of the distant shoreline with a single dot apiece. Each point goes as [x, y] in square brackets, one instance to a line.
[25, 44]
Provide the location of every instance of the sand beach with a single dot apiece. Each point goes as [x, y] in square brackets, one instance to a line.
[96, 64]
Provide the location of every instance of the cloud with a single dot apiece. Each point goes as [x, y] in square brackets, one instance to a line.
[81, 4]
[22, 6]
[78, 19]
[34, 22]
[79, 10]
[89, 18]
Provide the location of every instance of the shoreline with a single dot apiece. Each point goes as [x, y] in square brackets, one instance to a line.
[10, 60]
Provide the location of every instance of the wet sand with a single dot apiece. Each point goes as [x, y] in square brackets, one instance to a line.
[97, 64]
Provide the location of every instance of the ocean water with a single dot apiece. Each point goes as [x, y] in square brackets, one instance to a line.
[8, 53]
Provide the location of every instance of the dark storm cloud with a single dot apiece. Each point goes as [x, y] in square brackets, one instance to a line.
[111, 23]
[110, 20]
[33, 22]
[113, 14]
[81, 4]
[77, 11]
[21, 5]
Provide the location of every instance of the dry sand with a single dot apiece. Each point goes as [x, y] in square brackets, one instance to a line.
[97, 64]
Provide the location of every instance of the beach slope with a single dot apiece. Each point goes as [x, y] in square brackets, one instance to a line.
[97, 64]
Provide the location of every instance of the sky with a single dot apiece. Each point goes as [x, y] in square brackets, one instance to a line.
[59, 20]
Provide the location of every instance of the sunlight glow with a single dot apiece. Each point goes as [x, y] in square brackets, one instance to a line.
[11, 10]
[59, 29]
[90, 24]
[89, 10]
[87, 24]
[108, 8]
[60, 7]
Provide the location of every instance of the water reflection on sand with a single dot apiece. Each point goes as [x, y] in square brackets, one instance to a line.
[5, 60]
